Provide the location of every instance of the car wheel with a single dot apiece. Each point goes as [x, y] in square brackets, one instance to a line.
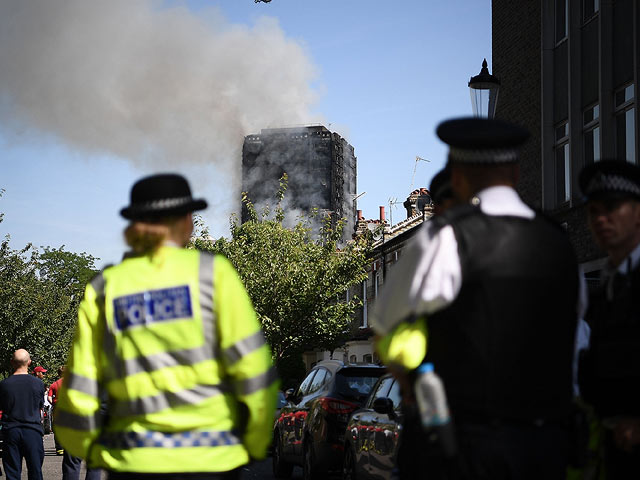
[308, 465]
[281, 469]
[349, 464]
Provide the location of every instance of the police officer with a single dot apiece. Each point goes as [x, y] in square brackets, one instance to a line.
[442, 196]
[170, 336]
[21, 401]
[498, 285]
[610, 369]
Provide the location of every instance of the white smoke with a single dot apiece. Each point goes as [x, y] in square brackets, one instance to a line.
[147, 83]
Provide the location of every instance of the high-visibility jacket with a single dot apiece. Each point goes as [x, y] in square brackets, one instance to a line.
[171, 344]
[405, 346]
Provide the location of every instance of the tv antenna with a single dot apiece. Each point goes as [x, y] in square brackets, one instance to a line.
[418, 159]
[393, 201]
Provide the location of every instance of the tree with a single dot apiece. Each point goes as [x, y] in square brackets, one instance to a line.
[298, 281]
[39, 296]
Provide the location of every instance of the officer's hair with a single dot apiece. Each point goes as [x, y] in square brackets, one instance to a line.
[145, 236]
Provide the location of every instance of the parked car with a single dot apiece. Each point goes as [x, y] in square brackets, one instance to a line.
[373, 434]
[310, 429]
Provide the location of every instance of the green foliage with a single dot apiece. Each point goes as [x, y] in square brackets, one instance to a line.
[297, 280]
[39, 296]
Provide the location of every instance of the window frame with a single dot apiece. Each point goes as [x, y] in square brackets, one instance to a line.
[564, 143]
[588, 127]
[622, 109]
[586, 18]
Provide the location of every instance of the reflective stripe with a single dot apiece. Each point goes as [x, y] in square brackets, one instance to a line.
[156, 403]
[244, 346]
[188, 356]
[150, 439]
[253, 384]
[75, 421]
[82, 384]
[205, 278]
[98, 285]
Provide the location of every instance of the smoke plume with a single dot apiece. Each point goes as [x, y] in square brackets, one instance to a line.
[147, 83]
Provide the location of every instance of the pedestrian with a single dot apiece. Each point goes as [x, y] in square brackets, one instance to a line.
[21, 401]
[53, 400]
[170, 337]
[610, 368]
[498, 286]
[39, 372]
[442, 196]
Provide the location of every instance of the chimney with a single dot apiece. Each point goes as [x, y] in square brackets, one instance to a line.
[382, 218]
[359, 214]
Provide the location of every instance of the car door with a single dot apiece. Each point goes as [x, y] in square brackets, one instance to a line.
[385, 437]
[362, 428]
[289, 420]
[304, 408]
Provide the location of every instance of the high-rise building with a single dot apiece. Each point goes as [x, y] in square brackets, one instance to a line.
[321, 170]
[569, 71]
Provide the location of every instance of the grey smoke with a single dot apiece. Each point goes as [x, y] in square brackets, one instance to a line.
[150, 84]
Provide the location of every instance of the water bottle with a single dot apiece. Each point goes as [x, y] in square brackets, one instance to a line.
[433, 407]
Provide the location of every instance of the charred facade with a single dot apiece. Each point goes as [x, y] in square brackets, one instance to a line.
[321, 167]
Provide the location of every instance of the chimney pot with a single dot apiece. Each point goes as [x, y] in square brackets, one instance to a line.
[359, 214]
[382, 217]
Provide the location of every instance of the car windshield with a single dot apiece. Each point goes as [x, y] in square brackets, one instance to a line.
[357, 383]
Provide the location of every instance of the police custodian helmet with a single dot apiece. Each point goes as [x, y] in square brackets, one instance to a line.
[161, 195]
[481, 141]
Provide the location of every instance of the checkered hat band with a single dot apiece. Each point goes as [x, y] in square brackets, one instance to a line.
[151, 439]
[164, 203]
[493, 155]
[603, 183]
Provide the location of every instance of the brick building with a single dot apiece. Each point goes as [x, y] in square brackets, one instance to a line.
[321, 168]
[569, 73]
[389, 242]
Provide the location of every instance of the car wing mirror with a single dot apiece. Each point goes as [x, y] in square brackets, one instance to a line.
[290, 395]
[383, 405]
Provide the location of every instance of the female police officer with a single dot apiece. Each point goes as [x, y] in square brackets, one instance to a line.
[170, 339]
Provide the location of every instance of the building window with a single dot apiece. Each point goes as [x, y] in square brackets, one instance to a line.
[625, 123]
[353, 359]
[591, 121]
[376, 285]
[368, 358]
[589, 9]
[562, 19]
[562, 164]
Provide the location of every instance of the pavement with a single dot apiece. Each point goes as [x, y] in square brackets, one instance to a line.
[52, 466]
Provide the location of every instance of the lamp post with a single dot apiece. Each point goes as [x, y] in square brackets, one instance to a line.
[484, 92]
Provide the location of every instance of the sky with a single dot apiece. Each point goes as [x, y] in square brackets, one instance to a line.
[95, 95]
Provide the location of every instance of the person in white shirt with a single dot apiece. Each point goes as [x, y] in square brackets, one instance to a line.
[498, 285]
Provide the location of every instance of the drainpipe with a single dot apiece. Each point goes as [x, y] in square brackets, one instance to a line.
[384, 256]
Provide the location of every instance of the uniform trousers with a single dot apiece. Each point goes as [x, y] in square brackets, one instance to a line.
[71, 469]
[19, 443]
[231, 475]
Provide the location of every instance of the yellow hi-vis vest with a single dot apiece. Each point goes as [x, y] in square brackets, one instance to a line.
[405, 346]
[172, 344]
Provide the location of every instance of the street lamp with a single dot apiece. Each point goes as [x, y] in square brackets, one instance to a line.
[484, 92]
